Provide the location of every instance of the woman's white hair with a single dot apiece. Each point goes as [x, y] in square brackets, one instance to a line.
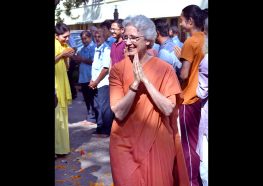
[144, 25]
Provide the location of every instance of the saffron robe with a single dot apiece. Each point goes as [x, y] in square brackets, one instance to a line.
[145, 148]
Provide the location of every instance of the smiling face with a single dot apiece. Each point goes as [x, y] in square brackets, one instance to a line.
[116, 31]
[184, 23]
[63, 38]
[135, 42]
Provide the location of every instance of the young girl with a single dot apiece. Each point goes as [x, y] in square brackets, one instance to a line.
[192, 21]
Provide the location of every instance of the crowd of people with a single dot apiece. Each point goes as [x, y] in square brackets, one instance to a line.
[137, 78]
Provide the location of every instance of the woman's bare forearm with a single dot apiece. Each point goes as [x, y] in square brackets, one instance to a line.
[122, 108]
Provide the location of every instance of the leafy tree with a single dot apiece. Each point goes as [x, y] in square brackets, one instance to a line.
[69, 4]
[58, 18]
[56, 3]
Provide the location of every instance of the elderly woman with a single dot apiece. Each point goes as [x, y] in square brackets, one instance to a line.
[145, 146]
[62, 88]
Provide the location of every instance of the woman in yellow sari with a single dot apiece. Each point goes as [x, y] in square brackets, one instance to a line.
[62, 53]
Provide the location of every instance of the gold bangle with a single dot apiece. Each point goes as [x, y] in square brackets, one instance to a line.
[132, 89]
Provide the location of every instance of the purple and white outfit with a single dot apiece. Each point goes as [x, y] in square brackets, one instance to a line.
[202, 144]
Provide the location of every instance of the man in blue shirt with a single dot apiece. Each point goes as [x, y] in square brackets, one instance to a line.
[85, 59]
[166, 50]
[173, 33]
[106, 26]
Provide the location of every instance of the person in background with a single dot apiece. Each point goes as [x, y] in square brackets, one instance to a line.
[202, 93]
[62, 88]
[71, 68]
[84, 58]
[100, 83]
[105, 26]
[144, 135]
[166, 50]
[173, 33]
[93, 29]
[117, 48]
[192, 21]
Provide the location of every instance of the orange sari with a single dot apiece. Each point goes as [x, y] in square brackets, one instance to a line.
[145, 148]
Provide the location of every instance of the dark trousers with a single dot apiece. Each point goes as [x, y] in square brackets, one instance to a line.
[189, 124]
[88, 94]
[71, 69]
[103, 110]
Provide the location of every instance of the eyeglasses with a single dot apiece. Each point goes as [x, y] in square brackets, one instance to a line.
[132, 38]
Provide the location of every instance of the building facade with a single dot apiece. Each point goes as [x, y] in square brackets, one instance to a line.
[96, 11]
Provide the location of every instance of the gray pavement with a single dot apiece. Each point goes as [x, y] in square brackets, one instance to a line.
[88, 163]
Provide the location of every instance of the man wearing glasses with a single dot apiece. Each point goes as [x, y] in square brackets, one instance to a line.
[117, 48]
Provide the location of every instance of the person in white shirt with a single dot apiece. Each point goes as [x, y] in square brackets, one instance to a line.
[100, 83]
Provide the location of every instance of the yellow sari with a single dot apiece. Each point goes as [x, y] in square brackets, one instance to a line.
[64, 99]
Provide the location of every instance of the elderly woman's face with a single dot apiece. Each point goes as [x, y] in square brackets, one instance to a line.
[135, 42]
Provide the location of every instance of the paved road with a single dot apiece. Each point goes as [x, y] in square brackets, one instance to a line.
[88, 164]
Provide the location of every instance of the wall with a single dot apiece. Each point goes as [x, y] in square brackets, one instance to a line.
[97, 12]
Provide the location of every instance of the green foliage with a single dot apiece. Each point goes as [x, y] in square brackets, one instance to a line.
[69, 4]
[56, 3]
[58, 18]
